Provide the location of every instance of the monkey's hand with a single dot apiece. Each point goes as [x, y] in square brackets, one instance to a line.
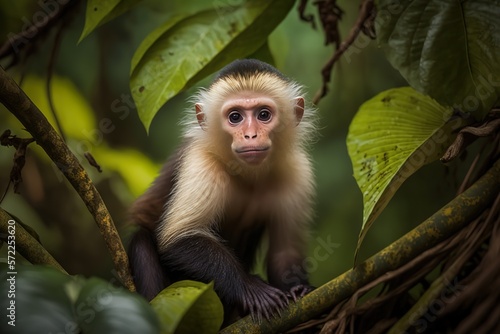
[299, 291]
[262, 300]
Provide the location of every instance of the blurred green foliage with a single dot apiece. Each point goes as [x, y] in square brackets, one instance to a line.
[90, 87]
[70, 304]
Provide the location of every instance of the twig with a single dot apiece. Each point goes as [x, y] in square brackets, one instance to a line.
[50, 71]
[467, 135]
[309, 18]
[14, 44]
[20, 144]
[365, 12]
[16, 101]
[330, 14]
[90, 158]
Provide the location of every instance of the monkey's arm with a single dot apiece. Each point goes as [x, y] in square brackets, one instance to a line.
[285, 260]
[149, 276]
[205, 259]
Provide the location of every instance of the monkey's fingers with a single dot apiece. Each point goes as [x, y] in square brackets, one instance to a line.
[300, 291]
[256, 307]
[278, 299]
[267, 304]
[263, 300]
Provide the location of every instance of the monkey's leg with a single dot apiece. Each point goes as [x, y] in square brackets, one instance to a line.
[149, 276]
[205, 259]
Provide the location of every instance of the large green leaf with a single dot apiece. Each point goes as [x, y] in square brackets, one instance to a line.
[44, 300]
[182, 52]
[392, 136]
[36, 297]
[446, 49]
[103, 308]
[101, 11]
[188, 307]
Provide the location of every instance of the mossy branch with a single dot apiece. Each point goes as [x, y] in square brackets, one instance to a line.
[16, 101]
[26, 245]
[443, 224]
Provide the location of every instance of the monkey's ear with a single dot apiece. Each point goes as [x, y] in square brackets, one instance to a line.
[299, 109]
[200, 116]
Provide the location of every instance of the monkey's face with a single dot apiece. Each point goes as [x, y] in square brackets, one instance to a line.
[250, 125]
[250, 119]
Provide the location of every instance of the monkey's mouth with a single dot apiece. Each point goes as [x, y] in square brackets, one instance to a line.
[252, 155]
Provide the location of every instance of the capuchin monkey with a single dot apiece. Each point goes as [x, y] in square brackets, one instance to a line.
[243, 172]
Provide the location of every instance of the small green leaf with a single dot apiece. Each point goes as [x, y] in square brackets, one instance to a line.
[101, 11]
[392, 136]
[184, 51]
[104, 308]
[188, 307]
[448, 50]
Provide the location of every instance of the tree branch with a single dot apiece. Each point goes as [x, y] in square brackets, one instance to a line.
[444, 223]
[16, 101]
[26, 244]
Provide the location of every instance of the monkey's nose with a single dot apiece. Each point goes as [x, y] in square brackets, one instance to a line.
[251, 136]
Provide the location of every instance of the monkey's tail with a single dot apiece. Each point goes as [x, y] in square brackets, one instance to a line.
[148, 273]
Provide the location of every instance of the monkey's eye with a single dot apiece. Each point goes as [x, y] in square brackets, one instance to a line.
[264, 115]
[235, 117]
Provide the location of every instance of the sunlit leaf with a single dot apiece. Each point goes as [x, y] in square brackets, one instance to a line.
[152, 38]
[136, 169]
[84, 133]
[191, 48]
[445, 49]
[391, 137]
[187, 307]
[101, 11]
[73, 111]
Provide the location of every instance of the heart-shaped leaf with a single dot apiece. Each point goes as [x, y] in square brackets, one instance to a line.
[185, 50]
[448, 50]
[392, 136]
[188, 307]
